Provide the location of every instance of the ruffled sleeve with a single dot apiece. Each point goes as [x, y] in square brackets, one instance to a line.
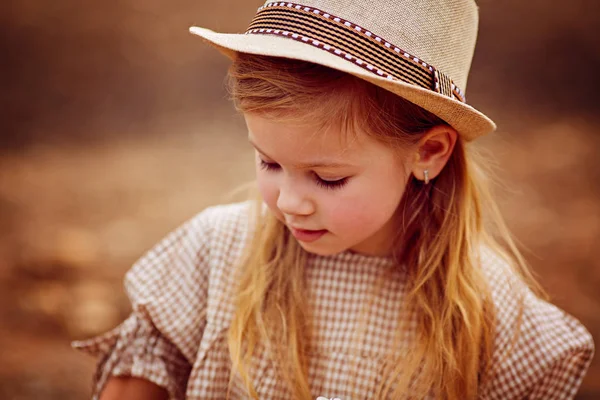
[550, 353]
[549, 358]
[562, 377]
[167, 289]
[135, 348]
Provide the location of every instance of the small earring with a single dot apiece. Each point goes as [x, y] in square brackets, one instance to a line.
[426, 173]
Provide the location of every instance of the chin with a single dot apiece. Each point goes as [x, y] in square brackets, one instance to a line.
[321, 251]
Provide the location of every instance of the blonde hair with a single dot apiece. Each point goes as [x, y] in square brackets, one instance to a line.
[445, 223]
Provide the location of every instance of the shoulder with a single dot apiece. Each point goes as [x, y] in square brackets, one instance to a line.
[222, 217]
[209, 228]
[534, 338]
[222, 231]
[189, 253]
[513, 299]
[225, 213]
[177, 280]
[214, 227]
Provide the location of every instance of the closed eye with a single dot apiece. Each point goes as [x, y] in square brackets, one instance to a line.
[269, 166]
[337, 184]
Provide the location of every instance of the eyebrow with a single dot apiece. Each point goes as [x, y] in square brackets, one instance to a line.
[306, 165]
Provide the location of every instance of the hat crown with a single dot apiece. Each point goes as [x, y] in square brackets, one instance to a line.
[443, 33]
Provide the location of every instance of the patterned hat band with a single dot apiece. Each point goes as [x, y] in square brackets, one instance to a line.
[352, 43]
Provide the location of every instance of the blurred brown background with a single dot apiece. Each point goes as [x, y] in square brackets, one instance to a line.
[116, 128]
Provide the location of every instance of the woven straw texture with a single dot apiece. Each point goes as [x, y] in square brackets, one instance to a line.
[444, 37]
[440, 32]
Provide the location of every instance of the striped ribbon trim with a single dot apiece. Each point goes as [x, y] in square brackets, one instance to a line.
[352, 43]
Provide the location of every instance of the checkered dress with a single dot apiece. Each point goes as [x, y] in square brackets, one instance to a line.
[176, 334]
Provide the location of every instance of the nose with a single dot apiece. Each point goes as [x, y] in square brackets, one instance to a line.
[291, 201]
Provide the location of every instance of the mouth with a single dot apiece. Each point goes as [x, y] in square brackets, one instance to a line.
[306, 235]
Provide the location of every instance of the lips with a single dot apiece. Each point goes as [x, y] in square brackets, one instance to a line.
[308, 236]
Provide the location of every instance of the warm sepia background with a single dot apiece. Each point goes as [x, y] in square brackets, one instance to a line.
[115, 128]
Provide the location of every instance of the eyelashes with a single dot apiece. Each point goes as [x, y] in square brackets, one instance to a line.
[338, 184]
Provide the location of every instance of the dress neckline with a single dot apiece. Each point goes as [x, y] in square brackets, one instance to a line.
[349, 257]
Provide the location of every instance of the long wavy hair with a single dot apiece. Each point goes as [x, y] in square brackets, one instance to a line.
[444, 225]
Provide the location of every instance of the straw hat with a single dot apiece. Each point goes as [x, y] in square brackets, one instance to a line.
[420, 50]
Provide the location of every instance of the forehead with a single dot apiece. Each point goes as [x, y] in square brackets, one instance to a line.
[304, 142]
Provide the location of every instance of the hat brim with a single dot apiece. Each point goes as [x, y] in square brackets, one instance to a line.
[468, 122]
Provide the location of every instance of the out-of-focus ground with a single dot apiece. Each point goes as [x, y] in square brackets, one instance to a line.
[115, 128]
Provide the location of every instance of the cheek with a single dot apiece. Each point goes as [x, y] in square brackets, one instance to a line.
[267, 186]
[367, 209]
[358, 213]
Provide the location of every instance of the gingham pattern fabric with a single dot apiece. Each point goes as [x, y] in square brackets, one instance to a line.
[176, 333]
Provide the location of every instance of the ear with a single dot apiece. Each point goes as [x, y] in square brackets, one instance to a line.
[433, 151]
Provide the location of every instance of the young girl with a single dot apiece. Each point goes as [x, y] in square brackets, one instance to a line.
[373, 263]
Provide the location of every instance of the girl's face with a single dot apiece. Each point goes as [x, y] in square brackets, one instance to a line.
[349, 188]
